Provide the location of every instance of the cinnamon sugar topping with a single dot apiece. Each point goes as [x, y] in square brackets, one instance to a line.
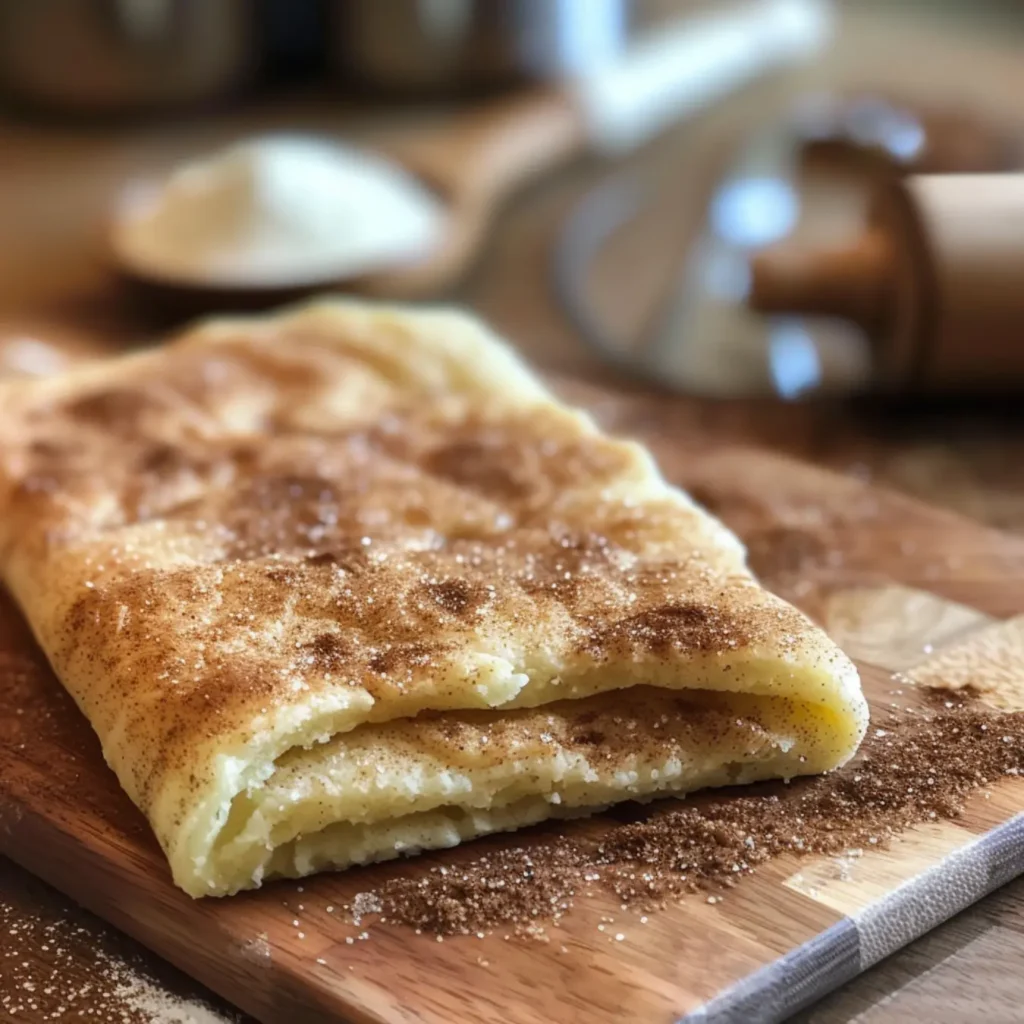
[305, 522]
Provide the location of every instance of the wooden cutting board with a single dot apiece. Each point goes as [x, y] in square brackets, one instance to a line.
[898, 583]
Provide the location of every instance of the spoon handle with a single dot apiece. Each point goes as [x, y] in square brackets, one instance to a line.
[489, 150]
[474, 163]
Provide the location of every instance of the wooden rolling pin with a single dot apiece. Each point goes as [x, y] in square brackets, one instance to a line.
[937, 281]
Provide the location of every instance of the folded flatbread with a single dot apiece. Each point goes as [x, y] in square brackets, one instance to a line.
[348, 582]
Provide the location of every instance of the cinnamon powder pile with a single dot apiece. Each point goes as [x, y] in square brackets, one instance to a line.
[920, 765]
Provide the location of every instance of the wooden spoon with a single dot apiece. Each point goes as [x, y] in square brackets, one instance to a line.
[475, 161]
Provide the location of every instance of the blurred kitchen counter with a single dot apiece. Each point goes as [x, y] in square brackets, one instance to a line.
[55, 281]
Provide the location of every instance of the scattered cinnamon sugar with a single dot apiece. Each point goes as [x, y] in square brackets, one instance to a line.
[57, 968]
[919, 765]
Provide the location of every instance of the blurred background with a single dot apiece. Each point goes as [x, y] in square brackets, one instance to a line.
[790, 223]
[795, 221]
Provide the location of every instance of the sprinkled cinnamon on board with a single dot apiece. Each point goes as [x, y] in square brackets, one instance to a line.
[920, 767]
[59, 969]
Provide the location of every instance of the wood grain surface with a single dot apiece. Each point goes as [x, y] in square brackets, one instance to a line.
[281, 955]
[56, 282]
